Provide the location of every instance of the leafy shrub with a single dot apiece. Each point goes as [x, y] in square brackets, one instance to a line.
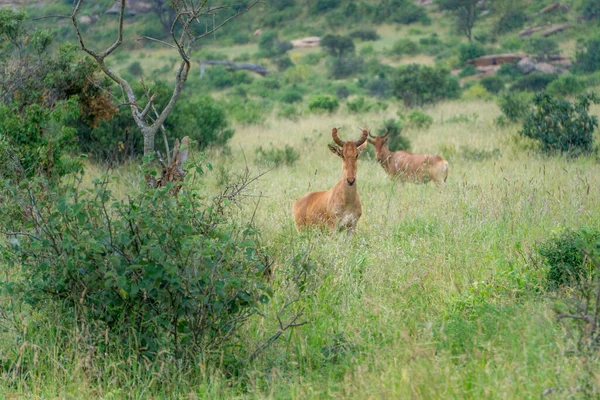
[587, 58]
[566, 85]
[403, 47]
[365, 35]
[533, 82]
[476, 92]
[590, 9]
[288, 111]
[542, 48]
[240, 38]
[321, 6]
[269, 45]
[396, 141]
[312, 58]
[418, 119]
[291, 96]
[337, 46]
[323, 103]
[203, 120]
[418, 84]
[361, 105]
[282, 63]
[468, 70]
[462, 118]
[154, 271]
[276, 157]
[248, 112]
[514, 105]
[510, 71]
[513, 19]
[512, 44]
[469, 51]
[346, 66]
[342, 92]
[222, 78]
[493, 84]
[564, 256]
[135, 69]
[559, 125]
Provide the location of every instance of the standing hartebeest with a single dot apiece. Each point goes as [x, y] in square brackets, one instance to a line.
[407, 166]
[340, 205]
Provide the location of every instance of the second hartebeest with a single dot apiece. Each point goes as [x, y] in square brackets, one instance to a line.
[338, 207]
[407, 166]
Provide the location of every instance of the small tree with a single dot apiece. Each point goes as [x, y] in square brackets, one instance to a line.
[560, 125]
[588, 56]
[183, 38]
[466, 13]
[542, 48]
[419, 84]
[337, 46]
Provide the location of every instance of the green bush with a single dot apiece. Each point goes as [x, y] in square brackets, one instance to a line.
[150, 270]
[323, 103]
[361, 105]
[322, 6]
[288, 111]
[135, 69]
[269, 45]
[275, 157]
[566, 85]
[469, 51]
[587, 58]
[564, 256]
[559, 125]
[513, 19]
[291, 96]
[493, 84]
[248, 112]
[403, 47]
[510, 71]
[365, 35]
[468, 70]
[418, 119]
[590, 9]
[203, 120]
[222, 78]
[542, 48]
[514, 105]
[396, 140]
[418, 84]
[346, 66]
[533, 82]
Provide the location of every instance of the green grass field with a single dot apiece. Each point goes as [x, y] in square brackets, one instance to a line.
[438, 294]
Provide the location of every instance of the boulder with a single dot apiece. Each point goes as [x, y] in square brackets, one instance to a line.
[526, 65]
[529, 31]
[495, 59]
[556, 29]
[312, 41]
[546, 68]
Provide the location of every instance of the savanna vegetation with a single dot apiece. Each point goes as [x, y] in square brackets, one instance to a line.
[125, 274]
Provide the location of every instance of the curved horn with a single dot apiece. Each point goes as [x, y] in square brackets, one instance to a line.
[336, 137]
[362, 139]
[387, 132]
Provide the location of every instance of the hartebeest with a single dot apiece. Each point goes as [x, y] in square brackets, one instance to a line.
[339, 206]
[407, 166]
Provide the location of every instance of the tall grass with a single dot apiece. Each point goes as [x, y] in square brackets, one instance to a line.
[438, 294]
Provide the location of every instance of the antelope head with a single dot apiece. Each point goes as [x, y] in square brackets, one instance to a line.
[379, 141]
[349, 152]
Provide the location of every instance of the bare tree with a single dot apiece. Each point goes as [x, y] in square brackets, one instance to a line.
[183, 37]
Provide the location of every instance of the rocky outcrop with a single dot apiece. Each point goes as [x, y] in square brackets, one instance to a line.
[555, 65]
[530, 31]
[495, 59]
[555, 29]
[312, 41]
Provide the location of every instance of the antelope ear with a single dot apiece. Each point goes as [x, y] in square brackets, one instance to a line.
[362, 147]
[335, 150]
